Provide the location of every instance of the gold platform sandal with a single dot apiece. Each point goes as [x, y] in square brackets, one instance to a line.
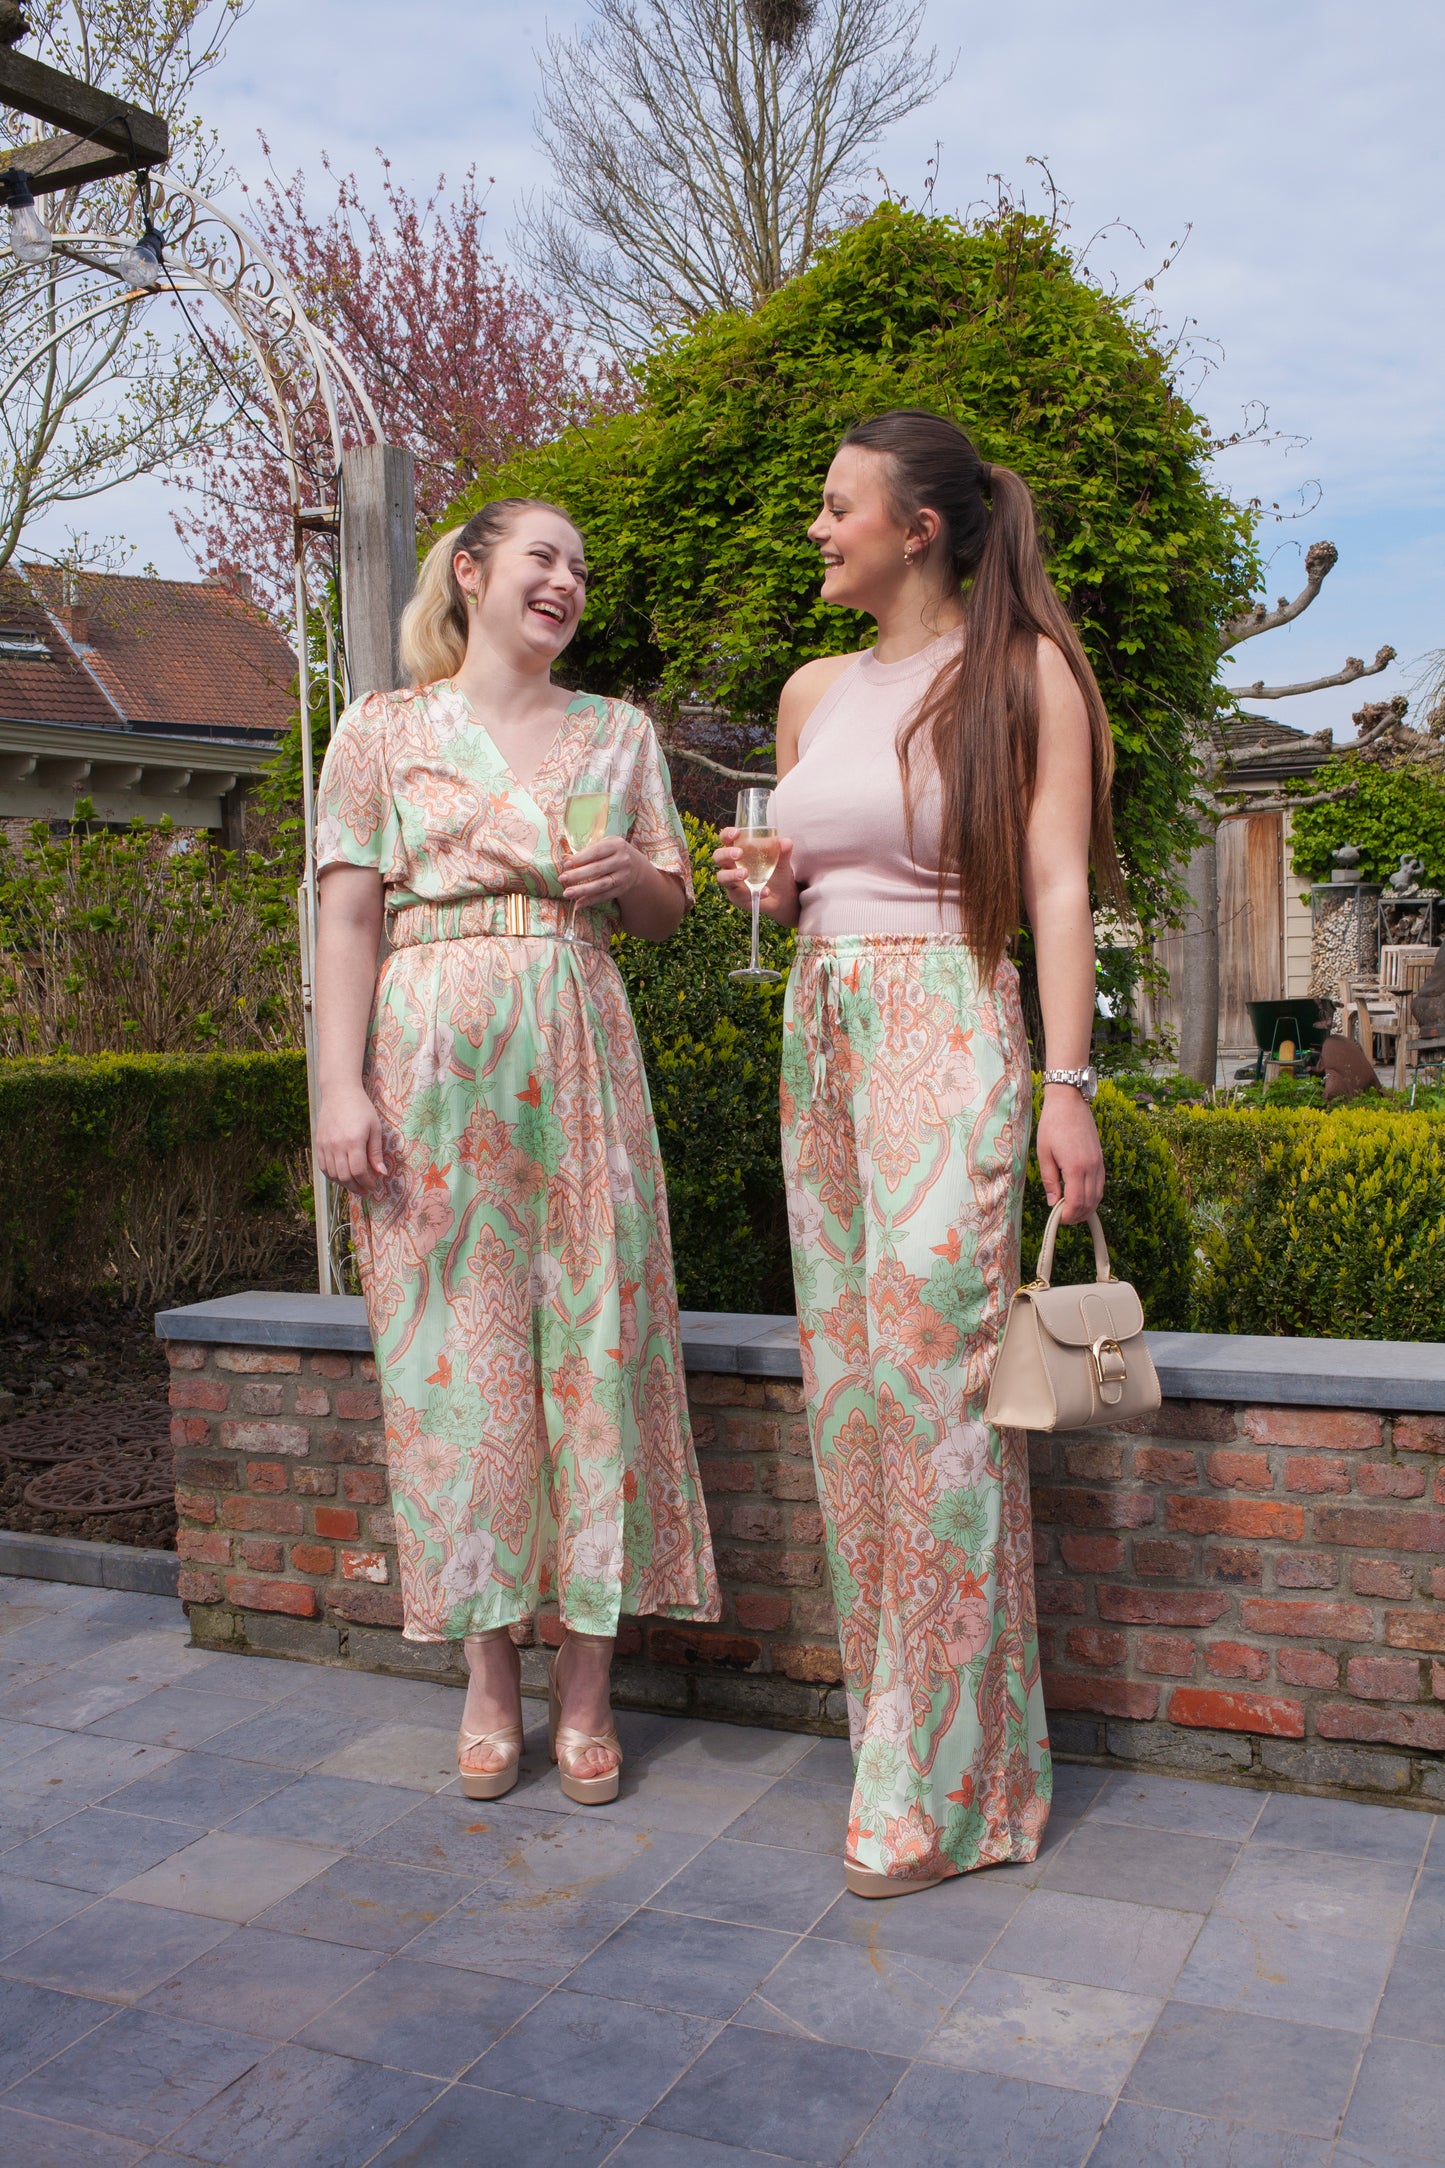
[507, 1738]
[567, 1744]
[864, 1882]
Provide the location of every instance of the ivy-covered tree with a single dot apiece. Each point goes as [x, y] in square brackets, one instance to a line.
[696, 504]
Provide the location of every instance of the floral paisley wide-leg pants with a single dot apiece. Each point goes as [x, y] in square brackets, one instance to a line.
[906, 1106]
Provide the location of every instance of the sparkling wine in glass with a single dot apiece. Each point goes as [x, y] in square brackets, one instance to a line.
[584, 821]
[757, 848]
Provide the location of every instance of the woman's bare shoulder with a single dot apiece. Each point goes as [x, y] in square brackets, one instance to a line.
[801, 694]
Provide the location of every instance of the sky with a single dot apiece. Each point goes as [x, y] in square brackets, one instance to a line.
[1297, 143]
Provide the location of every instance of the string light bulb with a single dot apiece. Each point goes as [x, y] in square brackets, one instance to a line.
[30, 240]
[143, 262]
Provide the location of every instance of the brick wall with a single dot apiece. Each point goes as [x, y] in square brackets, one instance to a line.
[287, 1544]
[1233, 1589]
[1249, 1588]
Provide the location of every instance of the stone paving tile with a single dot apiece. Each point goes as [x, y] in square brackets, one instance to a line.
[72, 1700]
[414, 1757]
[22, 1818]
[945, 2118]
[805, 2099]
[28, 1909]
[677, 1963]
[226, 1877]
[1265, 2071]
[1205, 1810]
[754, 1885]
[798, 1817]
[38, 2022]
[1396, 2103]
[284, 1736]
[325, 1810]
[1364, 1900]
[959, 1922]
[1290, 1972]
[303, 2109]
[97, 1849]
[434, 2019]
[371, 1904]
[115, 1952]
[477, 1837]
[175, 1716]
[369, 1693]
[1143, 1866]
[80, 1770]
[529, 2133]
[1426, 1920]
[1018, 2025]
[583, 1858]
[1136, 2137]
[257, 1678]
[137, 2077]
[260, 1982]
[19, 1739]
[646, 2148]
[580, 2051]
[1344, 1825]
[204, 1789]
[520, 1936]
[887, 2001]
[31, 2141]
[828, 1761]
[159, 1655]
[1414, 2002]
[1095, 1942]
[685, 1800]
[717, 1750]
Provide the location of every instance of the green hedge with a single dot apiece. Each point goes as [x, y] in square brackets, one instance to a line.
[152, 1177]
[1312, 1223]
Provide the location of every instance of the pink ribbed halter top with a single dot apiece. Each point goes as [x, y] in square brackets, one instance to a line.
[842, 804]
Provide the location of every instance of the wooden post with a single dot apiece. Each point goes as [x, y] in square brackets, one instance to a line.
[1199, 975]
[378, 558]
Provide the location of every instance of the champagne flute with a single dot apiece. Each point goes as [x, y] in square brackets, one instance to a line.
[584, 820]
[757, 847]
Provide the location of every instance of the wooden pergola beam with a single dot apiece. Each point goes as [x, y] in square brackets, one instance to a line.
[103, 135]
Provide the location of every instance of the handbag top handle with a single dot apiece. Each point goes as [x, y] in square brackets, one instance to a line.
[1044, 1272]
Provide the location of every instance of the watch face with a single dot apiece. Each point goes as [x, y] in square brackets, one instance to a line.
[1091, 1083]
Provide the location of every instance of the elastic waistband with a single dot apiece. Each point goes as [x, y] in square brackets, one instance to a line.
[512, 916]
[858, 944]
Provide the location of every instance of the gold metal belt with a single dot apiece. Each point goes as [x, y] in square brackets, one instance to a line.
[512, 916]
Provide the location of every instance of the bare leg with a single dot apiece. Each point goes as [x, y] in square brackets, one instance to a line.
[494, 1696]
[584, 1667]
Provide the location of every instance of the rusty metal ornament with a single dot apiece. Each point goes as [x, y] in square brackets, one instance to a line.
[65, 1435]
[121, 1480]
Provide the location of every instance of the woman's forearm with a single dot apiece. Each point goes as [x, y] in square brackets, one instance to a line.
[655, 907]
[347, 937]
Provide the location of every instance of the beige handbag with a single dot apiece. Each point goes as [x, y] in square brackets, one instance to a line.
[1072, 1357]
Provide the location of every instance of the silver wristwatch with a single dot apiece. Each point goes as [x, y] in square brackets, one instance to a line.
[1083, 1080]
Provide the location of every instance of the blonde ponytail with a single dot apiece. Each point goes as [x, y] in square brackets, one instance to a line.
[432, 641]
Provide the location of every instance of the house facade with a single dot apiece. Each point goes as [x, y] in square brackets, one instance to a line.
[152, 698]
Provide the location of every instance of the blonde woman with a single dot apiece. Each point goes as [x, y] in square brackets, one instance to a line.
[936, 788]
[483, 1098]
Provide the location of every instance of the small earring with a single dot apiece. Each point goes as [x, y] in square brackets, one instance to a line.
[908, 558]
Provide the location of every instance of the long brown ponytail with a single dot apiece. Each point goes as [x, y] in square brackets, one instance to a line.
[982, 711]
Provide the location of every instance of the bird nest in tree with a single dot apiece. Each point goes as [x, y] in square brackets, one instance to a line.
[94, 1460]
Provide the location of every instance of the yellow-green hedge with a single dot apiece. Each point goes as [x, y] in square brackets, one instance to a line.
[152, 1177]
[1313, 1223]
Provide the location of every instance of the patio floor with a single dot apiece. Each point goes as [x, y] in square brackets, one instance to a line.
[246, 1917]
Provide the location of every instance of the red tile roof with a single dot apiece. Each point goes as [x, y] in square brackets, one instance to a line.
[152, 654]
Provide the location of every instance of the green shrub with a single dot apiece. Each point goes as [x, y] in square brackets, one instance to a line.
[152, 1177]
[1317, 1224]
[1146, 1223]
[1394, 813]
[712, 1050]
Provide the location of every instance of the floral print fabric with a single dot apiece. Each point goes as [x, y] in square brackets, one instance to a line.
[906, 1107]
[516, 1262]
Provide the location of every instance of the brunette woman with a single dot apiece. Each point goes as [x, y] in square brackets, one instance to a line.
[484, 1100]
[936, 787]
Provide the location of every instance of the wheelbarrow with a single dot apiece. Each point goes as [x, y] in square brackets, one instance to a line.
[1303, 1020]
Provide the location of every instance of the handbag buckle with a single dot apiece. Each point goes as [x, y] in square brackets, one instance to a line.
[1107, 1352]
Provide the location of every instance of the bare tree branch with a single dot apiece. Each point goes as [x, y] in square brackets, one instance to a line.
[700, 146]
[715, 767]
[1320, 561]
[1353, 669]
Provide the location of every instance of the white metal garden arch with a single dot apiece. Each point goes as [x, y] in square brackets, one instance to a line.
[211, 256]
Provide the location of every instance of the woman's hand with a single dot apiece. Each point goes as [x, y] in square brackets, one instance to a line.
[780, 897]
[1071, 1159]
[350, 1147]
[605, 872]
